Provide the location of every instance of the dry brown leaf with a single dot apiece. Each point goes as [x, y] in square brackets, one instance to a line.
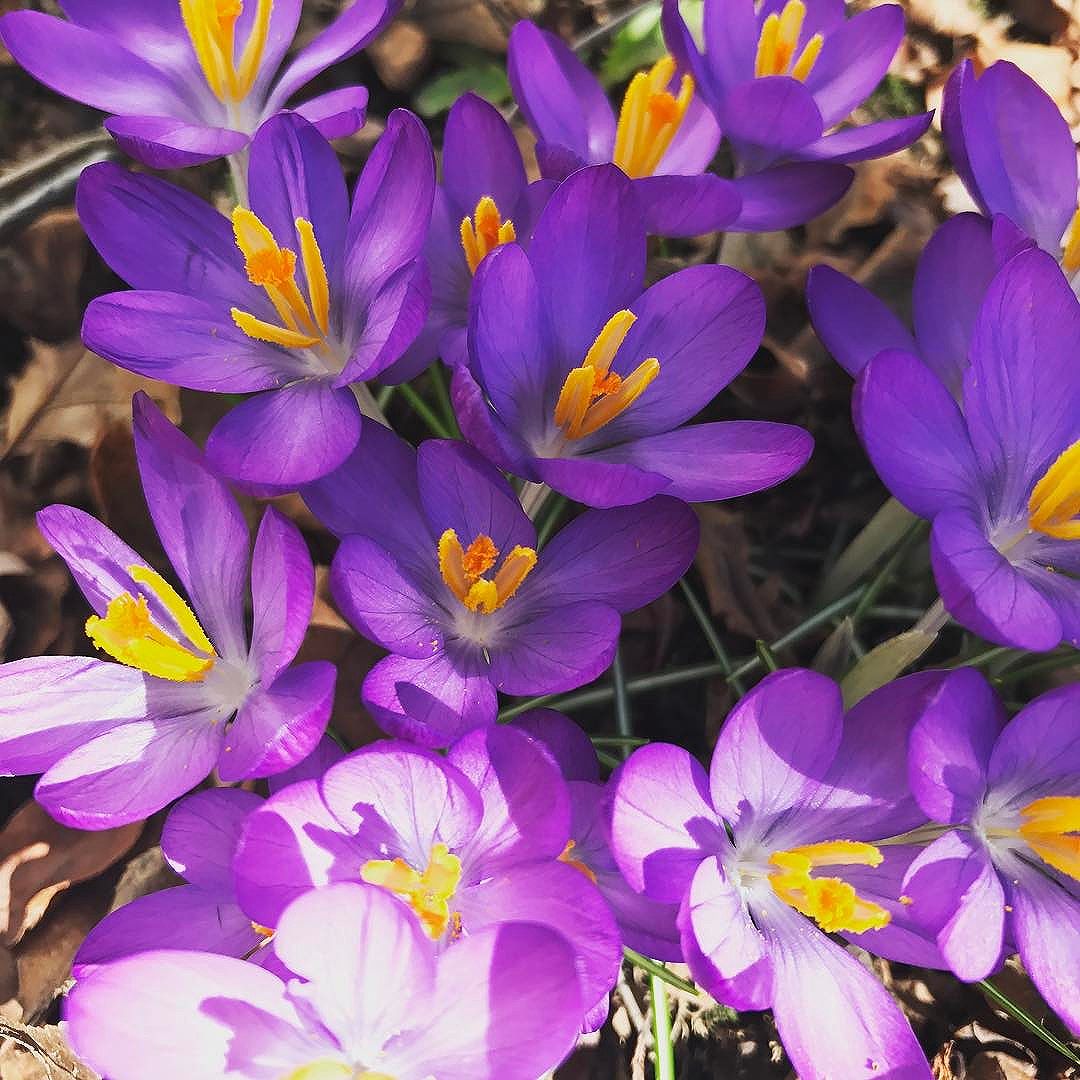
[400, 54]
[68, 394]
[1049, 65]
[38, 1053]
[40, 858]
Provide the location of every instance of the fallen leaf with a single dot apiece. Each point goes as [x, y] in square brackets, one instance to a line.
[38, 1053]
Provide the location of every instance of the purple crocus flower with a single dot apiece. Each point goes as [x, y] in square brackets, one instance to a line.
[784, 832]
[998, 473]
[780, 76]
[191, 81]
[1015, 154]
[954, 272]
[664, 137]
[469, 841]
[647, 926]
[232, 308]
[372, 998]
[439, 565]
[484, 200]
[194, 690]
[581, 378]
[1006, 873]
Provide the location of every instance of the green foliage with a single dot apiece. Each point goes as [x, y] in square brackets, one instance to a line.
[476, 72]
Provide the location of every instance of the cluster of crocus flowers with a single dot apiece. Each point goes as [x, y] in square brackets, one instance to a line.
[187, 686]
[192, 80]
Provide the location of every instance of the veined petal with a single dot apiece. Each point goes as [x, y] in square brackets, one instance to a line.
[200, 835]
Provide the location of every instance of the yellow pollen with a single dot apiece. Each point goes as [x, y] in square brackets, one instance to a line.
[262, 931]
[1055, 500]
[593, 394]
[128, 633]
[568, 858]
[650, 118]
[462, 570]
[333, 1070]
[427, 893]
[211, 28]
[830, 901]
[484, 232]
[779, 41]
[1051, 826]
[1070, 258]
[273, 268]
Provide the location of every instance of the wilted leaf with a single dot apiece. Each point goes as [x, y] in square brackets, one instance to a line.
[40, 858]
[38, 1053]
[883, 664]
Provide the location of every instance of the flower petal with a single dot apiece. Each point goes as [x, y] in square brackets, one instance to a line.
[481, 157]
[338, 113]
[785, 196]
[687, 205]
[200, 835]
[564, 740]
[162, 142]
[868, 141]
[769, 119]
[1039, 746]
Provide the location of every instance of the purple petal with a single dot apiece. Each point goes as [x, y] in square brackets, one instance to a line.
[126, 214]
[853, 60]
[282, 593]
[384, 602]
[326, 753]
[624, 558]
[951, 746]
[201, 833]
[598, 483]
[768, 119]
[161, 142]
[983, 591]
[687, 205]
[694, 146]
[955, 892]
[555, 649]
[184, 917]
[834, 1016]
[459, 490]
[1044, 925]
[280, 724]
[853, 324]
[561, 100]
[525, 799]
[287, 437]
[588, 254]
[132, 771]
[728, 955]
[663, 824]
[481, 157]
[868, 141]
[51, 705]
[1040, 746]
[201, 527]
[709, 462]
[564, 740]
[430, 702]
[915, 435]
[337, 114]
[776, 745]
[731, 34]
[197, 343]
[789, 195]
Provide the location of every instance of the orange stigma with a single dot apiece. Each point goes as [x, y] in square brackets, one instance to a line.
[463, 568]
[484, 232]
[779, 40]
[831, 902]
[428, 893]
[211, 28]
[568, 858]
[1051, 826]
[650, 118]
[593, 394]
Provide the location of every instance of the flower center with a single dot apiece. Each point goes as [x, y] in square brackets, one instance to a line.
[568, 858]
[128, 634]
[649, 118]
[463, 568]
[831, 902]
[273, 268]
[1070, 256]
[484, 232]
[428, 894]
[1051, 826]
[780, 38]
[211, 26]
[593, 394]
[333, 1070]
[1055, 500]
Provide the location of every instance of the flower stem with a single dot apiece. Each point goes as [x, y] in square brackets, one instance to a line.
[533, 496]
[425, 412]
[1018, 1014]
[654, 967]
[368, 405]
[665, 1052]
[238, 164]
[442, 395]
[704, 620]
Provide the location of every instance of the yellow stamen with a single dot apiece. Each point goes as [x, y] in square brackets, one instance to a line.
[332, 1070]
[462, 570]
[779, 41]
[1070, 259]
[830, 901]
[593, 394]
[649, 118]
[211, 27]
[1055, 500]
[427, 893]
[1051, 826]
[128, 633]
[484, 232]
[577, 864]
[273, 268]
